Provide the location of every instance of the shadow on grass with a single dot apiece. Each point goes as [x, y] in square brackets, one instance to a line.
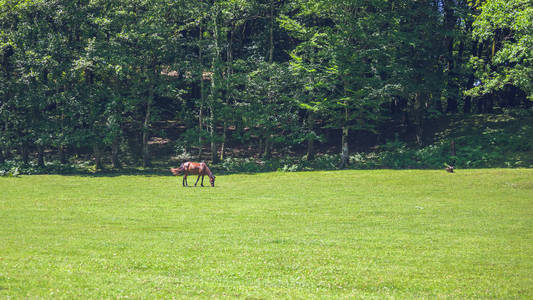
[164, 171]
[147, 172]
[120, 172]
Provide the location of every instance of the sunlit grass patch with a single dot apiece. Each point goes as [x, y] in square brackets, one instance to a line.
[342, 234]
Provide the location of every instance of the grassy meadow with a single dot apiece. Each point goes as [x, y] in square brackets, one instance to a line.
[340, 234]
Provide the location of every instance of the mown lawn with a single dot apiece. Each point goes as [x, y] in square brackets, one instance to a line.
[343, 234]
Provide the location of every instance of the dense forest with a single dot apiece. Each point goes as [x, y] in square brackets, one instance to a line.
[132, 82]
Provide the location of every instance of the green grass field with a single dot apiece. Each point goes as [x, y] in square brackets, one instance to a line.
[342, 234]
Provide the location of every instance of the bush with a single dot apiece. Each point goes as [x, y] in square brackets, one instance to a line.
[181, 153]
[396, 155]
[285, 164]
[325, 162]
[240, 165]
[365, 161]
[15, 168]
[434, 156]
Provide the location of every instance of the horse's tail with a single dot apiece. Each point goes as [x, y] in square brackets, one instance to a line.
[177, 171]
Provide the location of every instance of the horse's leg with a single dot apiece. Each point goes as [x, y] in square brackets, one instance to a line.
[203, 180]
[185, 180]
[197, 180]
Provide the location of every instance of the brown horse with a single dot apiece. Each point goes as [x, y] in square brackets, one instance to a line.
[193, 168]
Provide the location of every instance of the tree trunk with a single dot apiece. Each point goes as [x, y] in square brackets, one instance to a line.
[115, 161]
[449, 24]
[40, 156]
[452, 148]
[224, 136]
[267, 154]
[25, 153]
[146, 132]
[453, 152]
[345, 155]
[3, 156]
[200, 126]
[271, 33]
[310, 149]
[419, 118]
[490, 104]
[214, 158]
[229, 71]
[453, 90]
[97, 157]
[438, 105]
[62, 155]
[467, 107]
[216, 80]
[202, 98]
[310, 142]
[260, 146]
[526, 102]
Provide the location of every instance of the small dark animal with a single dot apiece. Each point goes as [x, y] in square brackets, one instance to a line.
[449, 169]
[193, 168]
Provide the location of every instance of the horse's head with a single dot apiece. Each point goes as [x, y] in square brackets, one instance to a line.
[212, 180]
[176, 171]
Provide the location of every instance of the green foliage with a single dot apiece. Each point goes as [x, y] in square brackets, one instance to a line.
[507, 25]
[236, 165]
[105, 77]
[193, 137]
[181, 152]
[504, 140]
[285, 164]
[436, 155]
[15, 168]
[396, 155]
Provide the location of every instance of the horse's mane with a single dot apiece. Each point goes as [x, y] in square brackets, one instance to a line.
[209, 173]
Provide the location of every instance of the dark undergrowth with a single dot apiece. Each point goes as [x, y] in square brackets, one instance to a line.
[480, 141]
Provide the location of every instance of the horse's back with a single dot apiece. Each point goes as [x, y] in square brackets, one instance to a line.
[194, 167]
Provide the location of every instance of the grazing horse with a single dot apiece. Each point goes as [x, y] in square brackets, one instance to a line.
[193, 168]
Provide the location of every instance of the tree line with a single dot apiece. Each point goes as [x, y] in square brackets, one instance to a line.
[96, 76]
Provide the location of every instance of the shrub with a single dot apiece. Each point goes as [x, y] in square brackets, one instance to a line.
[15, 168]
[240, 165]
[434, 156]
[285, 164]
[365, 160]
[325, 162]
[396, 155]
[181, 153]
